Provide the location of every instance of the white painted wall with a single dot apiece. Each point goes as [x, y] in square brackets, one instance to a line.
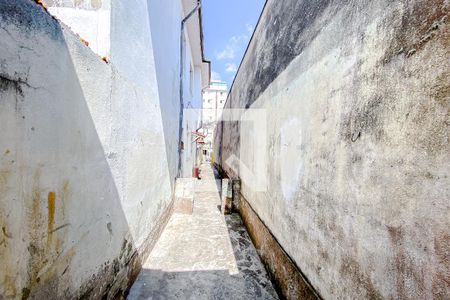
[166, 39]
[189, 119]
[166, 43]
[91, 21]
[95, 137]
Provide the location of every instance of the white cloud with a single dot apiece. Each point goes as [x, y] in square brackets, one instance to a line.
[235, 43]
[215, 76]
[249, 29]
[231, 67]
[227, 53]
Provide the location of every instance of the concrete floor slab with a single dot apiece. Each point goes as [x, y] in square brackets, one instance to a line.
[205, 255]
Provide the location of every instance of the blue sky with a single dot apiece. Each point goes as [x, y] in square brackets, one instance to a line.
[227, 27]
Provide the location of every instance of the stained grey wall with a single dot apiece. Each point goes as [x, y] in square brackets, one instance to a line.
[357, 98]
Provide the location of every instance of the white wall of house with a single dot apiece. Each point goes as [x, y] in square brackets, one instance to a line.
[166, 39]
[166, 50]
[192, 105]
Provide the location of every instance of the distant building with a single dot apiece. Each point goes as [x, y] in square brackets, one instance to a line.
[214, 99]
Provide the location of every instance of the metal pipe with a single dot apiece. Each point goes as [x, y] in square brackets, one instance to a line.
[180, 129]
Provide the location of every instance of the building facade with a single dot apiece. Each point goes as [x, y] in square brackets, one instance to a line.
[92, 98]
[99, 23]
[214, 98]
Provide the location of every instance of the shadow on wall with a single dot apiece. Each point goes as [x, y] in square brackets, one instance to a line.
[251, 281]
[65, 232]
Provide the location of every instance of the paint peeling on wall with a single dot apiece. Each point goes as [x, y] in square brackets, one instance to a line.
[291, 169]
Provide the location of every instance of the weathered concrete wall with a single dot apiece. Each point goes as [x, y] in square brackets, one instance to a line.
[81, 200]
[357, 97]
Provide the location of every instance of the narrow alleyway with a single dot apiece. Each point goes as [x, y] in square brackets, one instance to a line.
[205, 255]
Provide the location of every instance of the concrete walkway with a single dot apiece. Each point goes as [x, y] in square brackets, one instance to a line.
[204, 255]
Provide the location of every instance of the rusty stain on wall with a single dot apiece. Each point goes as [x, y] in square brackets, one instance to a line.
[51, 216]
[418, 26]
[37, 254]
[47, 262]
[65, 193]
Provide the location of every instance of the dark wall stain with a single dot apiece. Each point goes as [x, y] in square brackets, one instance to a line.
[7, 83]
[364, 119]
[352, 270]
[11, 89]
[410, 280]
[440, 91]
[441, 280]
[23, 14]
[45, 245]
[283, 33]
[288, 279]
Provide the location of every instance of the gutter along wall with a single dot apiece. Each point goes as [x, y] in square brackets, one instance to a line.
[87, 163]
[165, 23]
[357, 99]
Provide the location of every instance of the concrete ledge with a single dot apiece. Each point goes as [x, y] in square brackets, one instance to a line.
[184, 206]
[226, 195]
[184, 195]
[286, 276]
